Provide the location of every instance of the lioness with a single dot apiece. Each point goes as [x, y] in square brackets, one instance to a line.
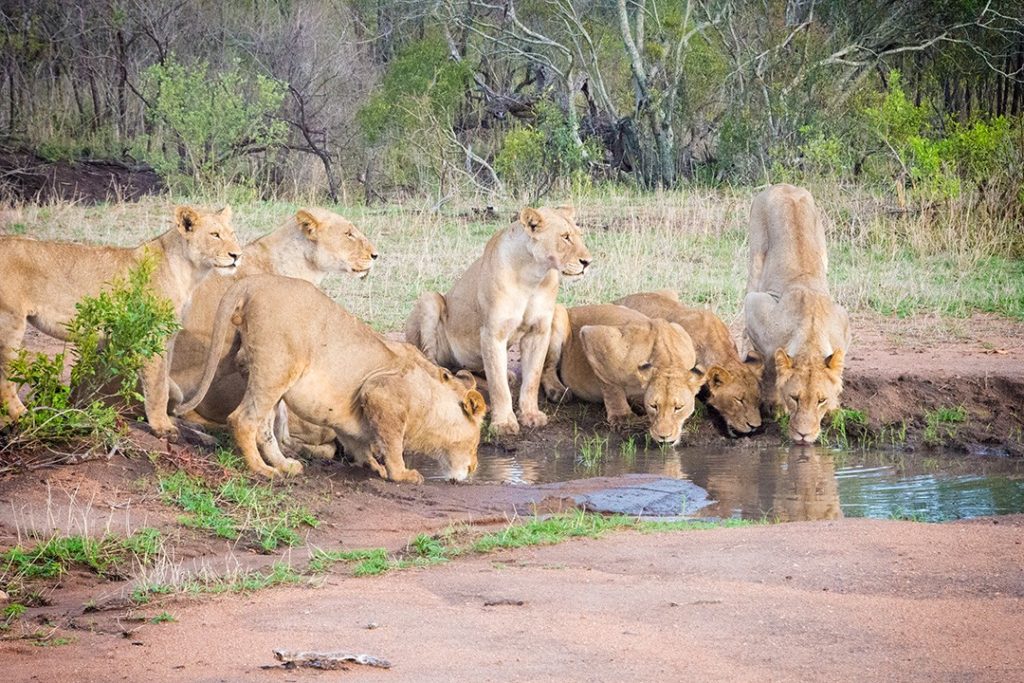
[507, 294]
[790, 318]
[310, 245]
[734, 386]
[379, 397]
[611, 353]
[44, 280]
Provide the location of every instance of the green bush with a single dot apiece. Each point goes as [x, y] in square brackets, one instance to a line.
[112, 336]
[535, 158]
[216, 119]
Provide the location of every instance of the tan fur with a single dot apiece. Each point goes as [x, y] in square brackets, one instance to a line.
[734, 387]
[791, 320]
[612, 354]
[310, 245]
[42, 282]
[381, 398]
[506, 295]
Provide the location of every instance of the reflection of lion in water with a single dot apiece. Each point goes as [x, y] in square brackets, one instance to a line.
[786, 485]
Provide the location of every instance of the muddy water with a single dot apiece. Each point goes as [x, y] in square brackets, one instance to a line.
[789, 484]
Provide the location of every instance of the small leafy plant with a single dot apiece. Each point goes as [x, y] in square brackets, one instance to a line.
[111, 337]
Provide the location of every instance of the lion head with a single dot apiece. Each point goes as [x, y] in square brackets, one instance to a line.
[555, 240]
[209, 238]
[657, 355]
[333, 244]
[462, 433]
[806, 388]
[736, 394]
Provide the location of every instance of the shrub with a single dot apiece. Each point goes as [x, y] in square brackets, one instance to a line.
[112, 336]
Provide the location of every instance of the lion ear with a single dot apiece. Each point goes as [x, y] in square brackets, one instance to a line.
[532, 219]
[225, 213]
[782, 360]
[717, 377]
[473, 405]
[185, 217]
[568, 211]
[310, 225]
[835, 361]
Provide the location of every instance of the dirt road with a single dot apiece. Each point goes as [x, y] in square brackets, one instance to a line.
[847, 600]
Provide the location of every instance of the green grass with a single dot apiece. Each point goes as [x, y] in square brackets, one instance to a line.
[237, 508]
[627, 449]
[941, 424]
[109, 556]
[844, 427]
[590, 449]
[426, 550]
[241, 582]
[163, 618]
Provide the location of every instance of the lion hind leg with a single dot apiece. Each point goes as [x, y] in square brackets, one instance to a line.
[425, 327]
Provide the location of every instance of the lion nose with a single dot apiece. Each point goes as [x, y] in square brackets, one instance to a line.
[584, 262]
[234, 256]
[374, 256]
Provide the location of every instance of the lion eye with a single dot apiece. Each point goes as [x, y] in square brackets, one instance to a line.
[678, 408]
[653, 406]
[739, 400]
[566, 237]
[215, 235]
[350, 236]
[821, 401]
[795, 397]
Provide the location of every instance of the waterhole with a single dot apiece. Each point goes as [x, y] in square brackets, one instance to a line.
[779, 484]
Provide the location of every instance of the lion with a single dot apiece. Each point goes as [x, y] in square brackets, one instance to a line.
[790, 318]
[44, 280]
[733, 386]
[610, 354]
[310, 245]
[506, 295]
[379, 397]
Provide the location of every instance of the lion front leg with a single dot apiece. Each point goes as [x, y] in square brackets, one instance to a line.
[385, 412]
[616, 406]
[550, 382]
[155, 394]
[494, 350]
[534, 348]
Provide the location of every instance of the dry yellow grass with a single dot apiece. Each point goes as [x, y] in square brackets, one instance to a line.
[692, 241]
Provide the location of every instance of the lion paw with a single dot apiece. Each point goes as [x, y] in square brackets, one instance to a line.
[290, 466]
[558, 393]
[533, 420]
[410, 477]
[506, 427]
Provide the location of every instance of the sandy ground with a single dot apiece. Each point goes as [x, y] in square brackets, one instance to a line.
[854, 599]
[842, 599]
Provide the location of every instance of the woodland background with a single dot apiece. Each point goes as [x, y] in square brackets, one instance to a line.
[368, 101]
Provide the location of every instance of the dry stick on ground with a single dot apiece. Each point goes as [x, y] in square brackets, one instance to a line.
[325, 660]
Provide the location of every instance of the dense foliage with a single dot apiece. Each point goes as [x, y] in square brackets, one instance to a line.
[514, 98]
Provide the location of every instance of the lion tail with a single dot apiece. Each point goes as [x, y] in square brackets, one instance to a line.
[230, 305]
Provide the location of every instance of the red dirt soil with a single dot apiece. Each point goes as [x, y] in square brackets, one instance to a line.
[854, 599]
